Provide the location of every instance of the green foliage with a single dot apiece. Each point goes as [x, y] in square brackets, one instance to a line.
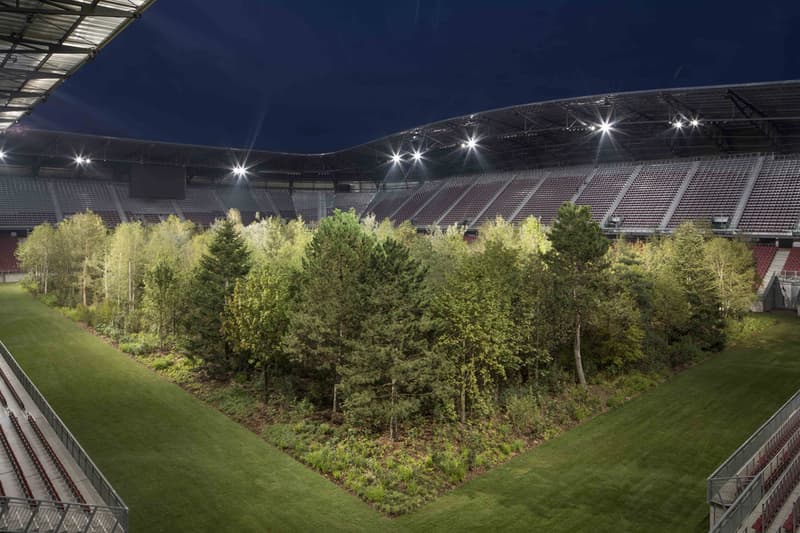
[226, 260]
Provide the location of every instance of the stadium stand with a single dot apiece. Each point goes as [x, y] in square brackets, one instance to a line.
[714, 190]
[475, 200]
[240, 198]
[510, 200]
[450, 191]
[756, 488]
[311, 205]
[200, 206]
[387, 202]
[76, 196]
[774, 203]
[148, 211]
[763, 256]
[792, 261]
[603, 189]
[425, 193]
[559, 187]
[24, 203]
[8, 248]
[649, 196]
[357, 201]
[282, 201]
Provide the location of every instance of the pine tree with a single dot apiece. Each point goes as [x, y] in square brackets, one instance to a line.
[383, 376]
[578, 260]
[226, 260]
[326, 319]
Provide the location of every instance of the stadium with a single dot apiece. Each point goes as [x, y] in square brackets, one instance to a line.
[723, 158]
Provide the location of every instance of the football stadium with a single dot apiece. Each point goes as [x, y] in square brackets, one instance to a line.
[571, 314]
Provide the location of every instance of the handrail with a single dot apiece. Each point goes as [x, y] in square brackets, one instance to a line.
[93, 474]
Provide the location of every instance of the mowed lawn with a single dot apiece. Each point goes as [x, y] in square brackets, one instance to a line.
[178, 464]
[182, 466]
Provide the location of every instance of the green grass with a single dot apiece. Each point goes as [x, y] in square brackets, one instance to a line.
[177, 463]
[182, 466]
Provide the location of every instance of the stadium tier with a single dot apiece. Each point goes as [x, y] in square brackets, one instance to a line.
[48, 482]
[758, 487]
[754, 195]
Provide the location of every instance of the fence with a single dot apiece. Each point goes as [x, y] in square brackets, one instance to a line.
[115, 506]
[722, 486]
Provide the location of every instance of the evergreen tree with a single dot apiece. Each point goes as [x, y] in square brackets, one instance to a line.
[383, 376]
[226, 260]
[326, 319]
[578, 259]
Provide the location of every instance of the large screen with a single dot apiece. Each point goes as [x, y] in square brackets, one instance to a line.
[157, 181]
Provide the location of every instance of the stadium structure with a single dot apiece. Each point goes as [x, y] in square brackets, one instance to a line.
[727, 156]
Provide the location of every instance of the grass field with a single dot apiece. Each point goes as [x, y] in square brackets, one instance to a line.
[182, 466]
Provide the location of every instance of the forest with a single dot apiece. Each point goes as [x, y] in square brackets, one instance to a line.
[395, 362]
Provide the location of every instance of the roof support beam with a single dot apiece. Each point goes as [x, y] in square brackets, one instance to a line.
[60, 8]
[30, 74]
[749, 111]
[712, 131]
[37, 46]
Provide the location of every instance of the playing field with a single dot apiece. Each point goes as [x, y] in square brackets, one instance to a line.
[182, 466]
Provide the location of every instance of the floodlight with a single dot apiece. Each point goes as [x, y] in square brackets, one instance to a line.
[239, 171]
[695, 122]
[678, 124]
[87, 160]
[605, 126]
[417, 155]
[2, 155]
[472, 143]
[592, 127]
[80, 160]
[396, 158]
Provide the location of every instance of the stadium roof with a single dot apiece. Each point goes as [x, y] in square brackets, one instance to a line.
[633, 126]
[43, 42]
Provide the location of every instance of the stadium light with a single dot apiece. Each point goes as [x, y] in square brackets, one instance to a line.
[2, 155]
[605, 126]
[397, 158]
[695, 122]
[678, 124]
[417, 155]
[239, 171]
[80, 160]
[471, 143]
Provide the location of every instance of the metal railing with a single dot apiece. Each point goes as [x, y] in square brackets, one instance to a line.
[21, 515]
[743, 506]
[115, 505]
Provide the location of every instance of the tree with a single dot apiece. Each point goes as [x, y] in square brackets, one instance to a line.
[733, 266]
[475, 331]
[696, 279]
[325, 321]
[124, 267]
[579, 262]
[160, 300]
[85, 236]
[226, 260]
[36, 255]
[384, 374]
[257, 318]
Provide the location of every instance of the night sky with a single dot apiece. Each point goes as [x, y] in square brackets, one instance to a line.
[320, 75]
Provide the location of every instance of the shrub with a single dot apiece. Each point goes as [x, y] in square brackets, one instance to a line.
[525, 415]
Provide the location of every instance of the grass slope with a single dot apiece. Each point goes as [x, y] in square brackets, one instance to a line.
[181, 466]
[641, 467]
[178, 464]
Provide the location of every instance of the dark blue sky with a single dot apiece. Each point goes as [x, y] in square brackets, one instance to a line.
[318, 75]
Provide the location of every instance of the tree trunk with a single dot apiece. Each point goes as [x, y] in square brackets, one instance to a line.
[463, 401]
[334, 398]
[393, 418]
[83, 283]
[266, 383]
[577, 349]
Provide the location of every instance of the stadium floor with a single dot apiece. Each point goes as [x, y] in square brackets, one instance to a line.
[182, 466]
